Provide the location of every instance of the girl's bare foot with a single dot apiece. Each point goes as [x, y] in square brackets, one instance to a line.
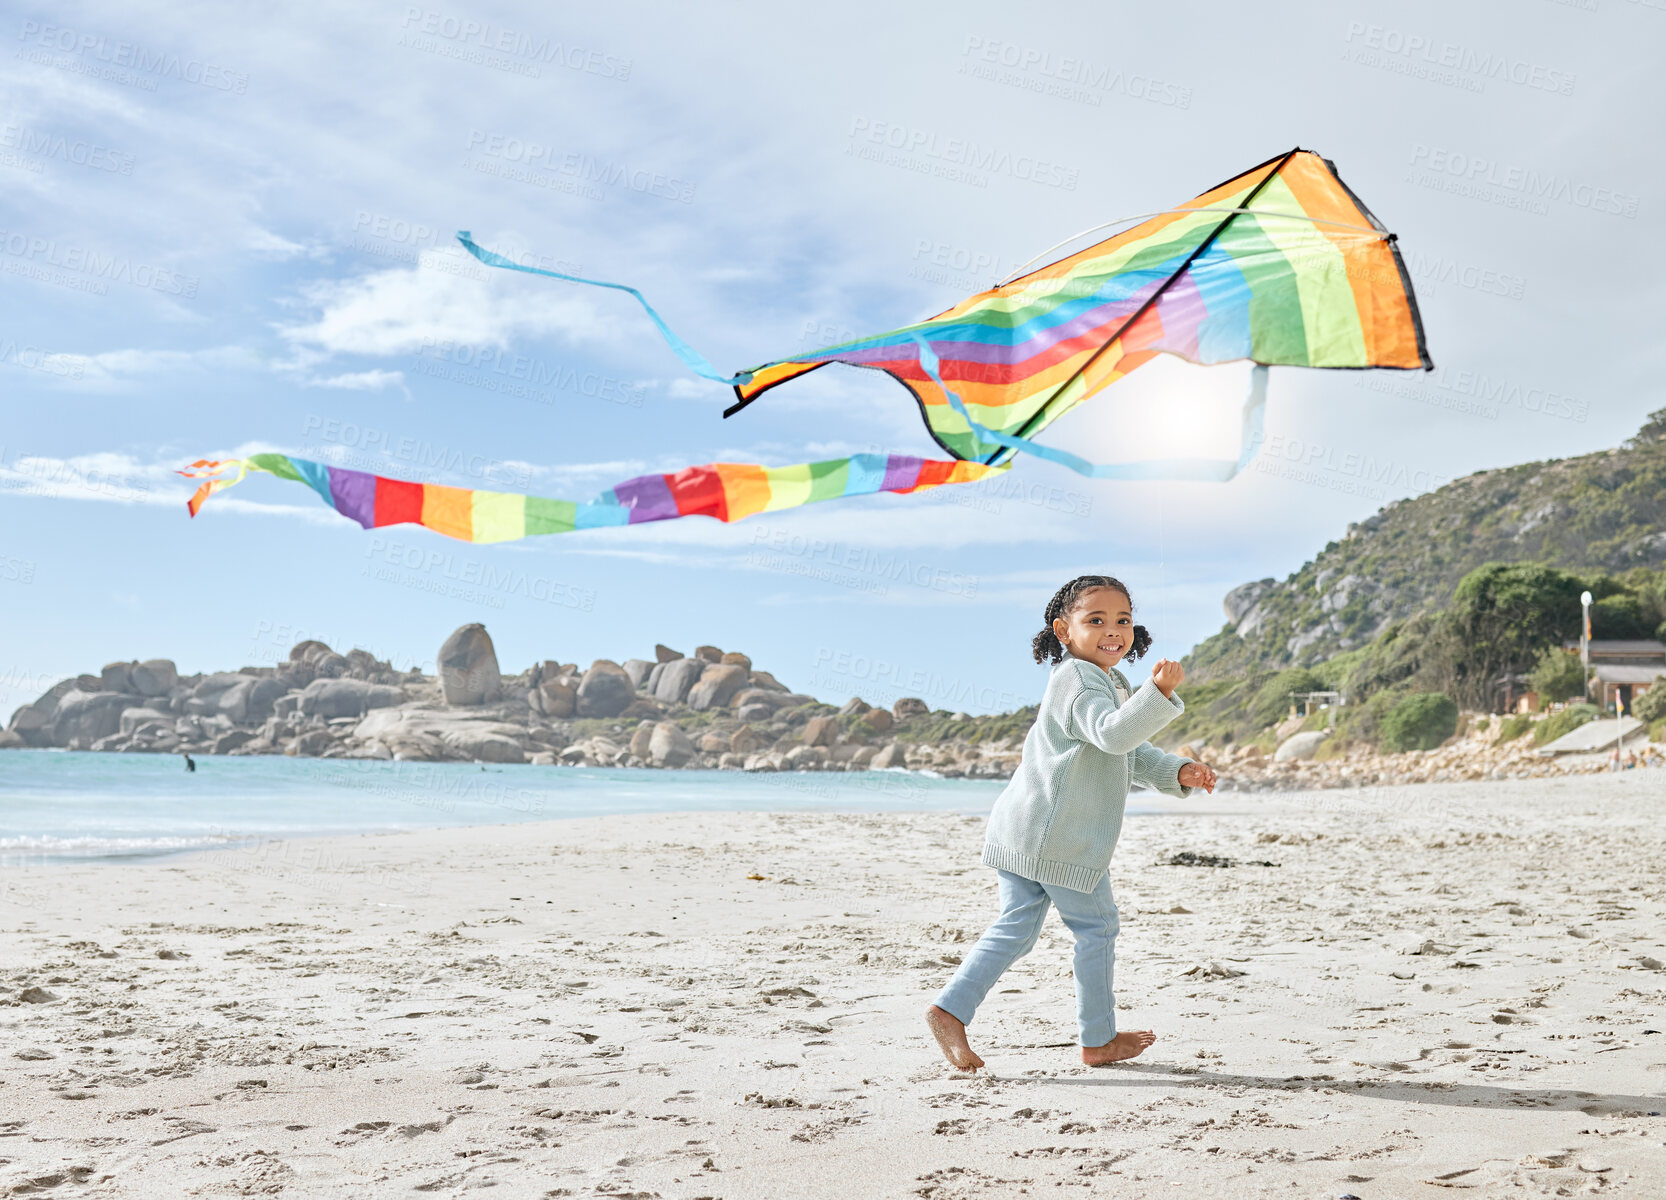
[951, 1039]
[1123, 1045]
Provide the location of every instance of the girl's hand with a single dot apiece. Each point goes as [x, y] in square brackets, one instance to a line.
[1197, 775]
[1167, 676]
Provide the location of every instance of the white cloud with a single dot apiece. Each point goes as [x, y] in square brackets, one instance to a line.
[266, 244]
[111, 368]
[108, 477]
[403, 309]
[364, 381]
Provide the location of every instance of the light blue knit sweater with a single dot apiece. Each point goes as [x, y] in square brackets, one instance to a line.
[1059, 817]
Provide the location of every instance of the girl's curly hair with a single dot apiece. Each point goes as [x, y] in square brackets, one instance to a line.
[1046, 645]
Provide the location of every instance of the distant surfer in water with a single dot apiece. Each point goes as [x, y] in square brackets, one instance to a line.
[189, 765]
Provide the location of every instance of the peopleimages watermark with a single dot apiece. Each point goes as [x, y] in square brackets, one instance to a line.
[530, 161]
[519, 375]
[37, 475]
[958, 159]
[1335, 469]
[48, 258]
[33, 358]
[1062, 75]
[123, 62]
[941, 262]
[278, 638]
[379, 444]
[821, 333]
[1489, 281]
[1512, 186]
[1477, 393]
[16, 570]
[881, 677]
[431, 569]
[835, 555]
[23, 146]
[1439, 61]
[511, 50]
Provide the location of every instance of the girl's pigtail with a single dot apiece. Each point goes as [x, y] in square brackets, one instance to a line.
[1142, 641]
[1046, 647]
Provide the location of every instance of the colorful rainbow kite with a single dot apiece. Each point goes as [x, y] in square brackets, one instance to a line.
[1280, 266]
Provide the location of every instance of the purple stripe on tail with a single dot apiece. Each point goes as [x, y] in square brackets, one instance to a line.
[354, 495]
[648, 497]
[902, 471]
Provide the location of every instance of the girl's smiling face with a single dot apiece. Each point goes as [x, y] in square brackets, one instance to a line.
[1100, 629]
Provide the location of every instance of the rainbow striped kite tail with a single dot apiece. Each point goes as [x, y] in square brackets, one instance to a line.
[214, 472]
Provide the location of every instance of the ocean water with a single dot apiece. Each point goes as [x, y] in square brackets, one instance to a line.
[67, 806]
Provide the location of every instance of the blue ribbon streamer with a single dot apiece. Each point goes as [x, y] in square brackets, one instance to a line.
[1204, 469]
[1207, 469]
[690, 356]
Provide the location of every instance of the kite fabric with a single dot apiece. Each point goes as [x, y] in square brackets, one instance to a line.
[1279, 266]
[727, 491]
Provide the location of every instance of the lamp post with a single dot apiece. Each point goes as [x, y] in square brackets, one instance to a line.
[1585, 642]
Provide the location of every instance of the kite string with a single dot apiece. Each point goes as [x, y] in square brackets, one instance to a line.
[691, 357]
[1212, 469]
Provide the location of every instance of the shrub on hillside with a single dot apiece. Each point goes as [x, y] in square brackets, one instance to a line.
[1420, 721]
[1557, 676]
[1651, 705]
[1566, 721]
[1514, 726]
[1272, 699]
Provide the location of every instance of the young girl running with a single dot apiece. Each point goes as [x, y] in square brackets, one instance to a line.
[1052, 830]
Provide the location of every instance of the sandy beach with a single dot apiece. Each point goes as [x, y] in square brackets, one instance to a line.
[1436, 986]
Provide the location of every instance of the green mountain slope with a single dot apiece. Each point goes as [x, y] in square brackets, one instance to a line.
[1603, 511]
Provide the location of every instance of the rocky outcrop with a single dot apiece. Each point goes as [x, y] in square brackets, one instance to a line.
[82, 718]
[346, 698]
[878, 720]
[441, 735]
[605, 691]
[669, 746]
[468, 668]
[820, 731]
[1605, 510]
[1300, 745]
[708, 710]
[155, 677]
[118, 677]
[718, 683]
[1243, 606]
[676, 679]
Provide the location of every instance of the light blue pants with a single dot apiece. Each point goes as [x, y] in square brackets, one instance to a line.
[1090, 916]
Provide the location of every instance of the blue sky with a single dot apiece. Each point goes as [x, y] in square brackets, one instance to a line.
[230, 229]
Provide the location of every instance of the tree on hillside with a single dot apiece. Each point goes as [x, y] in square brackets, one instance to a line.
[1502, 616]
[1654, 430]
[1557, 676]
[1620, 616]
